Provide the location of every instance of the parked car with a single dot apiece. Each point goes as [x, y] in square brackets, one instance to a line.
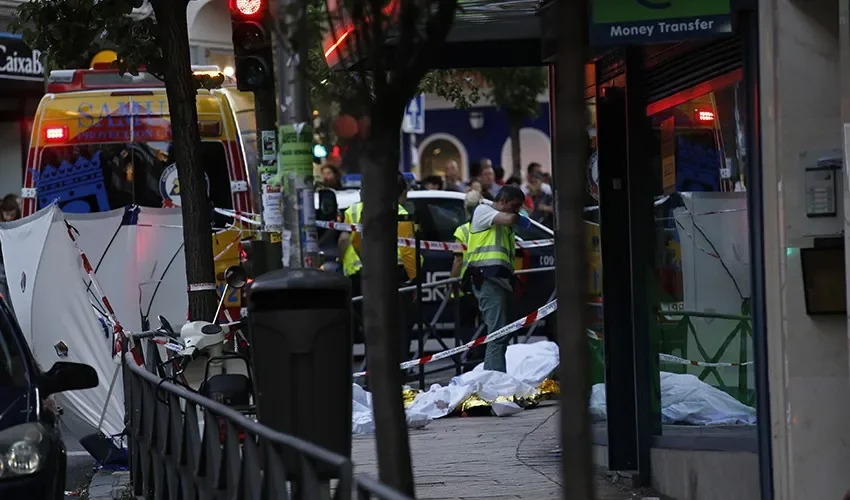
[32, 454]
[439, 213]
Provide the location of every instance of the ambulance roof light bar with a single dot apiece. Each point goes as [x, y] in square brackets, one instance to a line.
[107, 77]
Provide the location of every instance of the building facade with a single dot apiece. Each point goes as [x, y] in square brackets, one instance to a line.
[21, 87]
[468, 135]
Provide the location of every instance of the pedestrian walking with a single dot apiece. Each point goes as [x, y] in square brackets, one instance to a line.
[490, 258]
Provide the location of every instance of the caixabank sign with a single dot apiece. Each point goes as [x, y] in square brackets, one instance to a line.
[17, 61]
[621, 22]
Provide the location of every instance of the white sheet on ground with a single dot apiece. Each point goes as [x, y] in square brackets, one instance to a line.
[684, 398]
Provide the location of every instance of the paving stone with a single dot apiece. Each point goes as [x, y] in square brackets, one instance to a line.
[486, 457]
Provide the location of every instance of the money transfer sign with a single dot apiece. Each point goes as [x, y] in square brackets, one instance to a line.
[616, 22]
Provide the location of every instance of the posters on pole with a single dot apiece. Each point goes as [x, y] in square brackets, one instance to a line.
[272, 208]
[616, 22]
[295, 154]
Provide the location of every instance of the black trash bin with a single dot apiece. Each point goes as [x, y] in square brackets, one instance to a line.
[300, 322]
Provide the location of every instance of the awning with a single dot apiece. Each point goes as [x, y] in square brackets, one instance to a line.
[486, 33]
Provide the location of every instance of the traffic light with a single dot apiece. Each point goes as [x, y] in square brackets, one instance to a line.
[252, 44]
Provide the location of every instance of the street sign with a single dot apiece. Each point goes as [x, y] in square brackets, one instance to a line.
[617, 22]
[414, 116]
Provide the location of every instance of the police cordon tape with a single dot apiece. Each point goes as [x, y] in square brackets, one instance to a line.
[402, 242]
[676, 360]
[519, 324]
[427, 245]
[527, 321]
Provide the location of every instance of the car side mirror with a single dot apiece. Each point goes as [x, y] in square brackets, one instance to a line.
[235, 276]
[328, 206]
[66, 376]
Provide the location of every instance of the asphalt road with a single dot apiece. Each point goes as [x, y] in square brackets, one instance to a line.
[80, 463]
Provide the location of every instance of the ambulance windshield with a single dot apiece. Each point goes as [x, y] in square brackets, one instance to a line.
[87, 178]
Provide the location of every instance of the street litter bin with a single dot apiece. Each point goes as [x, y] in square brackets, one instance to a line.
[300, 323]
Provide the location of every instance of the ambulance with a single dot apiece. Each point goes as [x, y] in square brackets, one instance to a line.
[101, 140]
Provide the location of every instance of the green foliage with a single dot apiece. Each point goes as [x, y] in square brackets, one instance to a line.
[70, 32]
[515, 90]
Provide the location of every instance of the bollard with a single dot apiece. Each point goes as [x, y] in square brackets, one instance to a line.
[300, 322]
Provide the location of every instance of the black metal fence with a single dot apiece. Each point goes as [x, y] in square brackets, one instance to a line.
[185, 446]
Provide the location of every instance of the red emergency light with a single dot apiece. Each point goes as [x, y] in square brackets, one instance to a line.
[247, 7]
[704, 115]
[56, 134]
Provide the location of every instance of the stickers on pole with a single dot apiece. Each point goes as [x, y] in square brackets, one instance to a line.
[269, 145]
[295, 154]
[272, 209]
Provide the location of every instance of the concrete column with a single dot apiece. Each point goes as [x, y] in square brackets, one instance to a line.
[800, 97]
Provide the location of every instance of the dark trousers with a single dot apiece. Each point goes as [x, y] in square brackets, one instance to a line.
[405, 304]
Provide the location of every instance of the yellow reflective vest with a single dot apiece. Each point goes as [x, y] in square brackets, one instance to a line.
[351, 263]
[491, 251]
[461, 235]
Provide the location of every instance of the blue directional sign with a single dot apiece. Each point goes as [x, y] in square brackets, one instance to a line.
[414, 116]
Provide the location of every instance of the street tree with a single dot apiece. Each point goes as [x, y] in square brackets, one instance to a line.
[154, 36]
[386, 77]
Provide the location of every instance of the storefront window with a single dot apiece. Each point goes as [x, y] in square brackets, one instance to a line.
[702, 252]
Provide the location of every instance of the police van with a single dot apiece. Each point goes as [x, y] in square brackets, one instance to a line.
[438, 214]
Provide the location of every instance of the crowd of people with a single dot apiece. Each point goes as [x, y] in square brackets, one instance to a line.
[488, 180]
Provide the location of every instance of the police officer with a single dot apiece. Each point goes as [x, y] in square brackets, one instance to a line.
[490, 257]
[348, 246]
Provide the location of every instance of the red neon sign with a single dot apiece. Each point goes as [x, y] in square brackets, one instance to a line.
[705, 116]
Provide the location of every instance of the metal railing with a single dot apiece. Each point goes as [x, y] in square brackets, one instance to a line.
[683, 329]
[183, 445]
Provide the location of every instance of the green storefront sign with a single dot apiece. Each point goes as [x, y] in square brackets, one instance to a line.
[617, 22]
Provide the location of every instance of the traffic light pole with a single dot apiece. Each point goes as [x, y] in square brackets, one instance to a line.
[295, 141]
[268, 253]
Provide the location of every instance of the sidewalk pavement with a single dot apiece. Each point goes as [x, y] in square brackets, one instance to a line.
[496, 458]
[110, 485]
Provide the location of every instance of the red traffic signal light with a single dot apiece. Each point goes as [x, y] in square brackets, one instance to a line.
[247, 7]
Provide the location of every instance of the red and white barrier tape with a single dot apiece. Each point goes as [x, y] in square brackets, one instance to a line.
[669, 358]
[426, 245]
[676, 360]
[118, 330]
[501, 332]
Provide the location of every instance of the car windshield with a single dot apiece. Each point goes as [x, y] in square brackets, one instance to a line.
[100, 177]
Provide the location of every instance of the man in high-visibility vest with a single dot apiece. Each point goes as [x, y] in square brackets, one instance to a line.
[490, 266]
[348, 246]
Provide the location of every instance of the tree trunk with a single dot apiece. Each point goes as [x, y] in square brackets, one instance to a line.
[379, 167]
[182, 94]
[570, 160]
[516, 147]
